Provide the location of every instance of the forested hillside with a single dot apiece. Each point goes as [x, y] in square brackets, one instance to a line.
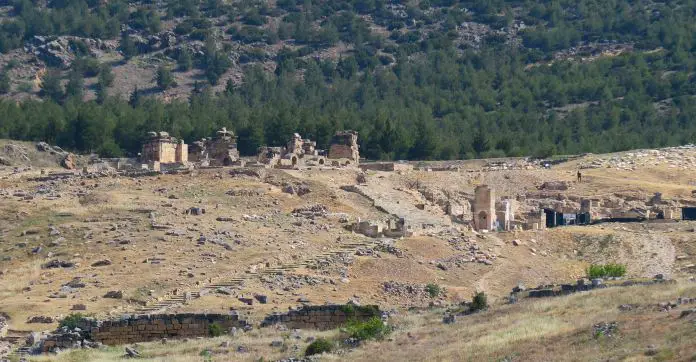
[428, 79]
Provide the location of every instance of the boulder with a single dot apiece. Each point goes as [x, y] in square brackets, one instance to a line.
[114, 294]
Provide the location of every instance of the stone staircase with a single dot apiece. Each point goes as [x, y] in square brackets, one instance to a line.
[238, 281]
[20, 352]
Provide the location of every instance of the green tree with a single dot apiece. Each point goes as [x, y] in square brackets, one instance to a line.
[426, 142]
[135, 97]
[184, 60]
[164, 78]
[106, 76]
[4, 83]
[75, 86]
[480, 144]
[127, 46]
[51, 86]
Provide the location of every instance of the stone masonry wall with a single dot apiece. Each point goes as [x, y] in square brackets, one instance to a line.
[322, 317]
[144, 328]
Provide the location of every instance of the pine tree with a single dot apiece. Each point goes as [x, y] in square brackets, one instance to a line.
[102, 93]
[184, 60]
[229, 87]
[106, 77]
[75, 86]
[164, 78]
[4, 83]
[51, 87]
[134, 100]
[480, 143]
[128, 47]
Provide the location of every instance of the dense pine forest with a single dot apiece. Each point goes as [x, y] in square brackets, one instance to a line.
[412, 77]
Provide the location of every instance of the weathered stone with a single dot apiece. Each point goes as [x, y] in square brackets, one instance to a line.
[114, 294]
[58, 264]
[131, 352]
[69, 162]
[104, 262]
[41, 319]
[79, 307]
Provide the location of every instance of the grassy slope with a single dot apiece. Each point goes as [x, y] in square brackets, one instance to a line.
[557, 329]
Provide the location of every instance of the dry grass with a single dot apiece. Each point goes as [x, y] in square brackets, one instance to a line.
[554, 329]
[257, 344]
[551, 329]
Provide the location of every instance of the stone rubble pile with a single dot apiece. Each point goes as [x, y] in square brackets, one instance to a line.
[682, 157]
[311, 212]
[473, 253]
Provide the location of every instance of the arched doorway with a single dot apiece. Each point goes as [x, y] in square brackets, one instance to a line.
[482, 220]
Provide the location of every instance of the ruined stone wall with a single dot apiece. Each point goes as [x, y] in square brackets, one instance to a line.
[386, 166]
[162, 151]
[181, 153]
[344, 145]
[223, 152]
[146, 328]
[323, 317]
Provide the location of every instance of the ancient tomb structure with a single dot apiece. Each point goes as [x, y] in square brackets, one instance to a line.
[297, 152]
[505, 214]
[160, 147]
[270, 155]
[220, 150]
[344, 146]
[484, 208]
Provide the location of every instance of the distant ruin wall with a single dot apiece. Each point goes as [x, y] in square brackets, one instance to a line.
[582, 286]
[386, 166]
[144, 328]
[323, 317]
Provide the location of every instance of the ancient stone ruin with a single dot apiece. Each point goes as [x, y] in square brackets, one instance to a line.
[323, 317]
[131, 329]
[220, 150]
[298, 152]
[484, 208]
[161, 148]
[344, 147]
[489, 214]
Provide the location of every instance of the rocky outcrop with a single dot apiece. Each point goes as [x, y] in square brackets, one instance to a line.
[60, 51]
[69, 162]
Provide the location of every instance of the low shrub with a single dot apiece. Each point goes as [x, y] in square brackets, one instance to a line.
[373, 328]
[215, 330]
[72, 320]
[480, 302]
[319, 346]
[607, 270]
[433, 290]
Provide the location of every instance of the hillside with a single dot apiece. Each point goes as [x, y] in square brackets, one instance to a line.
[106, 244]
[562, 329]
[417, 79]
